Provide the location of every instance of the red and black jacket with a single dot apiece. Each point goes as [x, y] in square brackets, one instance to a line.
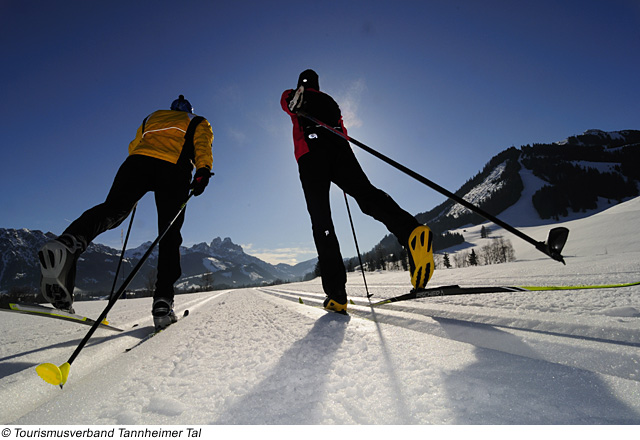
[322, 107]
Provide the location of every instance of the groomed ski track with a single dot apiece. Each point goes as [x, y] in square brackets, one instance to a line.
[258, 356]
[563, 340]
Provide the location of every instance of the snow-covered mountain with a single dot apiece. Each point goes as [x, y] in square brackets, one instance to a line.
[535, 184]
[18, 259]
[572, 176]
[227, 263]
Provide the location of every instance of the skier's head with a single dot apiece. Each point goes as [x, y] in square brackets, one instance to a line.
[181, 105]
[309, 79]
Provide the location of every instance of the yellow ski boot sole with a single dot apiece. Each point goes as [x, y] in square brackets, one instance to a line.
[421, 248]
[336, 307]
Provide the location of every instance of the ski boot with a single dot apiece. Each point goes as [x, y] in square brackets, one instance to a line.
[58, 260]
[336, 304]
[163, 314]
[421, 261]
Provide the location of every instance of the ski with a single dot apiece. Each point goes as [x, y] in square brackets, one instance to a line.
[458, 290]
[155, 332]
[50, 312]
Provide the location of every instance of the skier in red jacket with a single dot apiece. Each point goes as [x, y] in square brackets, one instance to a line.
[324, 157]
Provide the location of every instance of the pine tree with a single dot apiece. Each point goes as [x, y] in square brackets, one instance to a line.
[473, 258]
[207, 281]
[447, 263]
[350, 267]
[404, 259]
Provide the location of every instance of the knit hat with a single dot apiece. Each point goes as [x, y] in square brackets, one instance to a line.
[181, 105]
[309, 79]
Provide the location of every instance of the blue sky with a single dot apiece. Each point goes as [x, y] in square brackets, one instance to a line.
[439, 86]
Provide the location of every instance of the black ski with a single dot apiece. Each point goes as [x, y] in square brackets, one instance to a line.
[155, 332]
[457, 290]
[50, 312]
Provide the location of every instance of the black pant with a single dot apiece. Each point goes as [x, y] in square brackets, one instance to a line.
[137, 176]
[335, 162]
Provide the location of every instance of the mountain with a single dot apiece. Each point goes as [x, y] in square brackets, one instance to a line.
[226, 262]
[580, 174]
[18, 261]
[231, 266]
[572, 175]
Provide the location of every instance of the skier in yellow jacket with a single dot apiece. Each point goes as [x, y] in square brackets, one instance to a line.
[168, 146]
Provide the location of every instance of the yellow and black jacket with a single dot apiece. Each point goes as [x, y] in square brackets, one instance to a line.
[162, 135]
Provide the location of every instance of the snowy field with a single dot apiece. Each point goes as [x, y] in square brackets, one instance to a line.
[258, 356]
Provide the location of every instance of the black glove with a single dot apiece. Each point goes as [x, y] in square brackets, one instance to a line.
[200, 181]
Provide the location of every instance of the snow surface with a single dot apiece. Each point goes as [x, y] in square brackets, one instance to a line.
[258, 356]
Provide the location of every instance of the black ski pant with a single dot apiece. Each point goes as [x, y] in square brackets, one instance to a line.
[137, 176]
[335, 162]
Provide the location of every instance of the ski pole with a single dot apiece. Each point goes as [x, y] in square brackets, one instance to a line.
[124, 247]
[355, 239]
[557, 236]
[58, 375]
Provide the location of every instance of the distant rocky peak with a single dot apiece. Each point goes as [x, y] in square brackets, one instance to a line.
[219, 244]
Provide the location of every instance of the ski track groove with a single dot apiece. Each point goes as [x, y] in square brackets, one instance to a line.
[104, 348]
[535, 339]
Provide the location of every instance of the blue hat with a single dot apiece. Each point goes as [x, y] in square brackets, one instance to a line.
[181, 105]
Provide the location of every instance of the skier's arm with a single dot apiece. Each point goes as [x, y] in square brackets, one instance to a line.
[134, 143]
[286, 98]
[202, 142]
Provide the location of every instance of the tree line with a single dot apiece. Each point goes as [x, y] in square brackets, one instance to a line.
[498, 250]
